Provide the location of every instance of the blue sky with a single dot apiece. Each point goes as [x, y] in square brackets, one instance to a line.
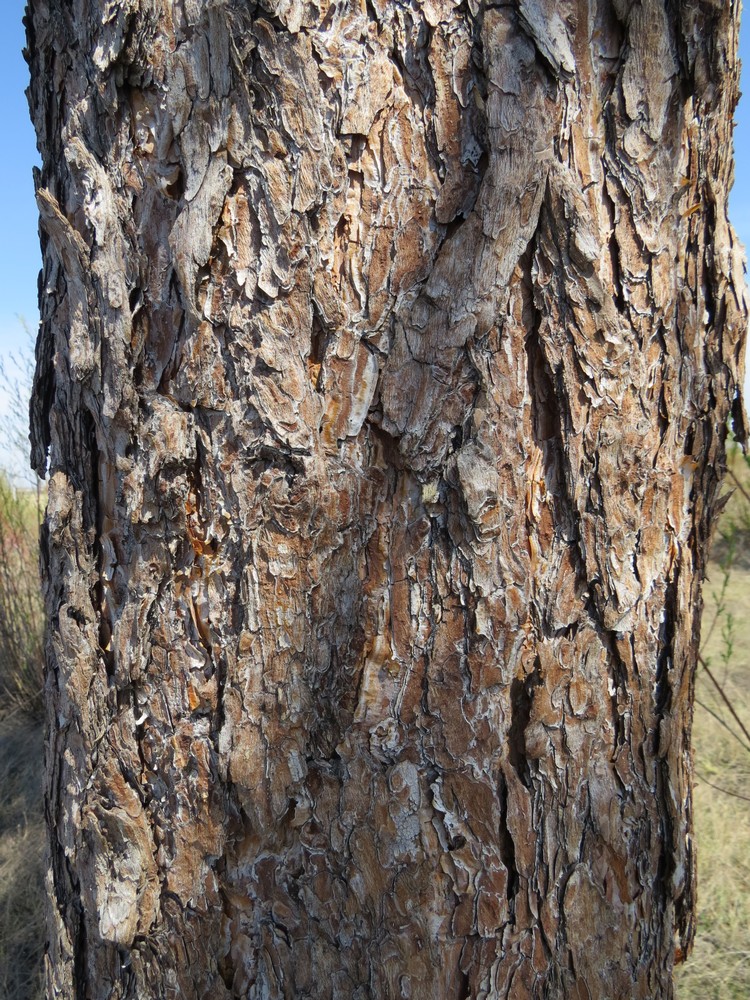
[19, 248]
[20, 258]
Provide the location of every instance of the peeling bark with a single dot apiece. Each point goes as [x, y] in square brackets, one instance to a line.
[386, 357]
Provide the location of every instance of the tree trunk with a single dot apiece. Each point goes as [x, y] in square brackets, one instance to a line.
[386, 357]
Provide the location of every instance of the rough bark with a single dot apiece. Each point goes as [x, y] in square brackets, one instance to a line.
[386, 357]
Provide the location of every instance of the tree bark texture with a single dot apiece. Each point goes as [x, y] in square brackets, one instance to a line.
[386, 357]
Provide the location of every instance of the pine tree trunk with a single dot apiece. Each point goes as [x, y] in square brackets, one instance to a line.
[386, 357]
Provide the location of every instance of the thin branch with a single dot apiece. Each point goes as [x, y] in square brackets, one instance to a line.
[720, 603]
[723, 723]
[735, 795]
[738, 484]
[726, 700]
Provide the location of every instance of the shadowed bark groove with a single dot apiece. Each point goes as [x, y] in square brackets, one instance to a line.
[385, 364]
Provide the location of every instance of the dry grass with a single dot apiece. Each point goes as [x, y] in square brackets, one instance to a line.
[21, 818]
[21, 865]
[719, 968]
[21, 613]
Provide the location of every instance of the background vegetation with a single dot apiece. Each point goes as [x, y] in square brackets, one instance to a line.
[21, 736]
[21, 858]
[21, 701]
[719, 968]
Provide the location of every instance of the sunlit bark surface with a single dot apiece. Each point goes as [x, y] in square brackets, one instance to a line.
[386, 357]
